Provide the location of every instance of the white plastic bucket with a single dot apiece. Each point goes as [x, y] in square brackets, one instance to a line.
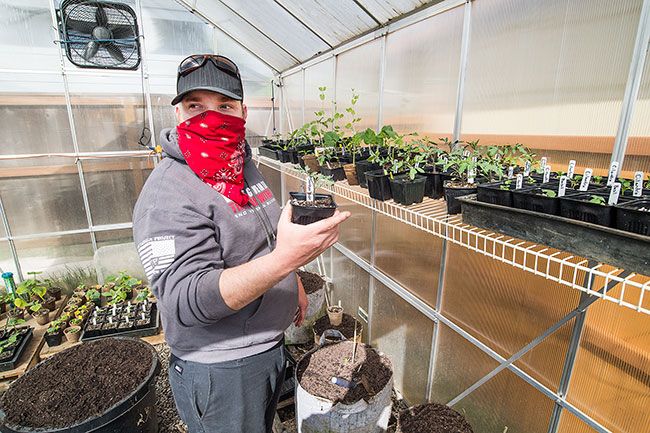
[316, 309]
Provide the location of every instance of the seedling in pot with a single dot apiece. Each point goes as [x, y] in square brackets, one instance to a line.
[597, 199]
[549, 193]
[309, 207]
[335, 314]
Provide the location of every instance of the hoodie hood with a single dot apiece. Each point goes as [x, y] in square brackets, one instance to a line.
[170, 147]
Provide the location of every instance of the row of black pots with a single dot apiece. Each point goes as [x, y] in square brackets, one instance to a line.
[626, 215]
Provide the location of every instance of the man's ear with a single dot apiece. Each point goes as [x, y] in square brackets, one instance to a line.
[178, 114]
[244, 110]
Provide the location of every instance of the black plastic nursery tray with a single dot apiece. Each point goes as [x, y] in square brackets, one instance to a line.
[13, 362]
[629, 251]
[153, 328]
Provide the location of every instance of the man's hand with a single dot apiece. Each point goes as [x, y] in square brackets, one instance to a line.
[303, 304]
[298, 245]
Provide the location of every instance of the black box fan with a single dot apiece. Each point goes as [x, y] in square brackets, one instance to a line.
[99, 34]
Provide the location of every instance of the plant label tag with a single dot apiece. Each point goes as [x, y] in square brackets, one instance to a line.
[638, 184]
[470, 175]
[520, 181]
[586, 179]
[497, 157]
[466, 153]
[572, 169]
[511, 172]
[542, 162]
[309, 189]
[613, 171]
[547, 174]
[613, 195]
[527, 169]
[562, 190]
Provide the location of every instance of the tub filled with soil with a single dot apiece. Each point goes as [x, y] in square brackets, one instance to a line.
[102, 386]
[306, 212]
[346, 327]
[343, 387]
[432, 418]
[315, 289]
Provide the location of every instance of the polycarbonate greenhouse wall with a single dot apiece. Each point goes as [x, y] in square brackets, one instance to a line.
[565, 77]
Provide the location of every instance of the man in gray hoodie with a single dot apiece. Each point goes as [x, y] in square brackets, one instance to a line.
[220, 256]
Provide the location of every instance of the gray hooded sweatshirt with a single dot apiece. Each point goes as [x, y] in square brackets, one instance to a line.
[186, 234]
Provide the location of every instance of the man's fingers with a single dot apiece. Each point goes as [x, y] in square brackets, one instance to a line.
[330, 223]
[287, 212]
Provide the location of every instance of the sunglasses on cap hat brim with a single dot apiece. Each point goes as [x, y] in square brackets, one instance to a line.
[196, 61]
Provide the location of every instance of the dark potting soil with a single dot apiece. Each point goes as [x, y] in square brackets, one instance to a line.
[77, 384]
[321, 202]
[369, 370]
[432, 418]
[311, 282]
[346, 327]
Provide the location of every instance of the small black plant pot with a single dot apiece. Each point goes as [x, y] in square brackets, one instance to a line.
[284, 156]
[631, 218]
[406, 191]
[494, 194]
[452, 193]
[53, 339]
[578, 207]
[434, 185]
[533, 199]
[363, 167]
[336, 173]
[268, 151]
[378, 185]
[304, 214]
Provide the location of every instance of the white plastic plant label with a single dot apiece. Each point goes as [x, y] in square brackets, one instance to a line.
[542, 162]
[527, 169]
[562, 190]
[572, 169]
[613, 172]
[586, 178]
[511, 172]
[614, 193]
[466, 153]
[520, 181]
[309, 189]
[638, 184]
[547, 174]
[470, 175]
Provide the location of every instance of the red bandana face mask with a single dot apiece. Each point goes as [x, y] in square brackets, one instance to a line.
[213, 146]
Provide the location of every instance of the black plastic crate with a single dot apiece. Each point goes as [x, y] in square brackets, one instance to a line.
[13, 362]
[631, 219]
[136, 331]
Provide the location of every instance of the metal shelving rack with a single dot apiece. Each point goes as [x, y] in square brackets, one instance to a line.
[632, 290]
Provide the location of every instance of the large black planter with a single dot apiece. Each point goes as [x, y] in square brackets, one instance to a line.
[304, 215]
[406, 191]
[363, 167]
[336, 173]
[452, 193]
[378, 185]
[135, 413]
[631, 219]
[284, 156]
[268, 151]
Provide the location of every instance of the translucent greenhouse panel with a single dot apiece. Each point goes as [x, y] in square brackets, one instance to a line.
[614, 347]
[458, 365]
[293, 101]
[113, 237]
[490, 299]
[506, 404]
[409, 256]
[251, 67]
[349, 285]
[570, 423]
[290, 184]
[237, 28]
[109, 113]
[358, 69]
[56, 253]
[404, 334]
[291, 35]
[637, 155]
[7, 260]
[164, 115]
[319, 75]
[334, 24]
[273, 180]
[385, 10]
[113, 187]
[45, 198]
[33, 99]
[421, 78]
[26, 36]
[355, 232]
[550, 75]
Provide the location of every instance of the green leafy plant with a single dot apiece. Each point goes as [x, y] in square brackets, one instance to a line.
[597, 199]
[626, 185]
[461, 161]
[549, 193]
[506, 185]
[489, 164]
[647, 184]
[93, 295]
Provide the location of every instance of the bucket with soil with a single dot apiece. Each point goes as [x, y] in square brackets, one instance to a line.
[315, 289]
[343, 387]
[347, 327]
[110, 389]
[432, 418]
[306, 212]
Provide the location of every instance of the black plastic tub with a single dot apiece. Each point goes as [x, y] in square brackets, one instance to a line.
[305, 215]
[284, 155]
[363, 167]
[495, 194]
[577, 207]
[378, 185]
[532, 199]
[434, 184]
[336, 173]
[21, 343]
[406, 191]
[269, 152]
[451, 194]
[631, 219]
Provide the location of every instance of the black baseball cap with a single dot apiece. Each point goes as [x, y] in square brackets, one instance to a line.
[208, 72]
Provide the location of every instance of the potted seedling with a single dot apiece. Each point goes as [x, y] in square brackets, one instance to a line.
[54, 333]
[353, 142]
[462, 164]
[93, 296]
[40, 314]
[143, 295]
[495, 190]
[634, 216]
[52, 290]
[335, 314]
[77, 321]
[384, 154]
[72, 333]
[591, 207]
[309, 207]
[12, 342]
[409, 188]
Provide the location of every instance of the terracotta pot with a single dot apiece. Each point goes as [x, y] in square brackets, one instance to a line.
[335, 314]
[42, 317]
[72, 333]
[311, 162]
[351, 174]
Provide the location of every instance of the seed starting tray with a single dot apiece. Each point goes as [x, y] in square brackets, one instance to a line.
[14, 361]
[152, 329]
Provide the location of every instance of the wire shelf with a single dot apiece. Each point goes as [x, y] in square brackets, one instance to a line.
[627, 289]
